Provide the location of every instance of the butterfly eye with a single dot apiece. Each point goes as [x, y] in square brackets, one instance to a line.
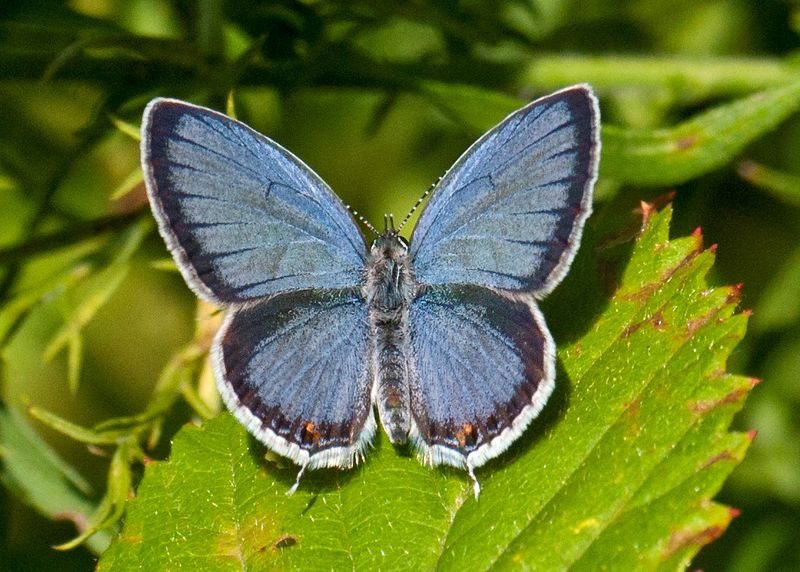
[403, 242]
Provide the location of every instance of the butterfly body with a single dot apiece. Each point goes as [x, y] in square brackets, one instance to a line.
[442, 334]
[389, 288]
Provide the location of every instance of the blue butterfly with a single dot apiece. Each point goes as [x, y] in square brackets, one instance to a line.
[441, 335]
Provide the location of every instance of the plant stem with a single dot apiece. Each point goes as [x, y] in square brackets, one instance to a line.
[68, 235]
[686, 78]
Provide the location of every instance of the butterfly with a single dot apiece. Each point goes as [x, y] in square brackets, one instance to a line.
[441, 334]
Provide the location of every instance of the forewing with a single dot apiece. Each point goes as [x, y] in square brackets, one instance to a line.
[510, 212]
[481, 368]
[242, 216]
[294, 369]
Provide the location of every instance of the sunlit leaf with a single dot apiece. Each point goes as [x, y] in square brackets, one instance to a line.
[635, 442]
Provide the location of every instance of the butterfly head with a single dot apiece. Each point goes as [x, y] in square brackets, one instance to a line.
[389, 244]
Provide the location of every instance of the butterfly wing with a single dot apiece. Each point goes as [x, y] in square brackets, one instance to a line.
[294, 369]
[481, 368]
[510, 212]
[242, 216]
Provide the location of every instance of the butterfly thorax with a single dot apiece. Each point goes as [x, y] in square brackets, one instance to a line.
[389, 287]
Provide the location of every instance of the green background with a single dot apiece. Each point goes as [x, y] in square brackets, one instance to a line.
[380, 98]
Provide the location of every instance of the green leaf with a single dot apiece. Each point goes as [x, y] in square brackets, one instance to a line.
[41, 478]
[619, 471]
[699, 145]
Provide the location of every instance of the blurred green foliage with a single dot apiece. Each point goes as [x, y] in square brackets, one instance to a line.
[379, 98]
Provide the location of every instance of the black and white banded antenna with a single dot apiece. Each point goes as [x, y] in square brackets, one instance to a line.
[361, 219]
[415, 207]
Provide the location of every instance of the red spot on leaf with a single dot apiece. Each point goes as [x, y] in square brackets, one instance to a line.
[722, 456]
[658, 320]
[631, 329]
[687, 142]
[734, 396]
[682, 538]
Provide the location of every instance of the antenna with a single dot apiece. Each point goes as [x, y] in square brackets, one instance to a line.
[415, 207]
[361, 219]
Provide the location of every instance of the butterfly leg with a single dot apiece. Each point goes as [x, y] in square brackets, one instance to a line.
[476, 486]
[296, 484]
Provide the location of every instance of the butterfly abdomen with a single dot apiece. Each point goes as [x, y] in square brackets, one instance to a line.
[389, 286]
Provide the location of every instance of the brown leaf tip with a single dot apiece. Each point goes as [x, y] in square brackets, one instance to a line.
[735, 294]
[647, 209]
